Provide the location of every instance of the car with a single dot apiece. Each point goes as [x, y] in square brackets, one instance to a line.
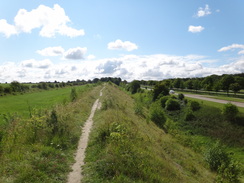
[171, 92]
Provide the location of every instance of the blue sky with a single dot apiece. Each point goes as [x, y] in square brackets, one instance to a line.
[47, 40]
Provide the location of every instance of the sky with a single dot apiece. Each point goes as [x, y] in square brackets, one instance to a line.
[48, 40]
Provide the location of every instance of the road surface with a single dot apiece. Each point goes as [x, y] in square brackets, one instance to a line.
[239, 104]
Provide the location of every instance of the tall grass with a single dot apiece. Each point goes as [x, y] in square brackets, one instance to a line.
[40, 148]
[127, 147]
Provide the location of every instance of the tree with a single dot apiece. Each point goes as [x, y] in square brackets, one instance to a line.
[235, 87]
[177, 83]
[196, 84]
[217, 86]
[230, 111]
[16, 87]
[189, 84]
[160, 89]
[134, 86]
[226, 81]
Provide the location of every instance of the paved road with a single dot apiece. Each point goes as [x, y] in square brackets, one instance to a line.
[239, 104]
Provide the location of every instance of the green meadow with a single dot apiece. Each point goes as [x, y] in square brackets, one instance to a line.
[23, 104]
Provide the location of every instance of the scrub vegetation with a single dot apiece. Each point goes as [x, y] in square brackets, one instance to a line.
[135, 139]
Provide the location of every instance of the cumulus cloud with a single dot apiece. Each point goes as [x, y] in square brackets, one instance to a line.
[91, 57]
[51, 21]
[51, 51]
[75, 53]
[128, 67]
[32, 63]
[72, 53]
[109, 67]
[195, 29]
[6, 28]
[233, 47]
[120, 45]
[203, 11]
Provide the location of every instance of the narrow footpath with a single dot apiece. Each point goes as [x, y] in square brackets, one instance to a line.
[76, 175]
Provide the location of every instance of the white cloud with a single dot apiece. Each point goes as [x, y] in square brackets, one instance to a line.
[91, 57]
[51, 51]
[233, 47]
[32, 63]
[129, 67]
[75, 53]
[203, 11]
[6, 28]
[120, 45]
[195, 29]
[51, 21]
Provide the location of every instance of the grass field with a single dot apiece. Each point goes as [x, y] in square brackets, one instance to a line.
[22, 104]
[41, 148]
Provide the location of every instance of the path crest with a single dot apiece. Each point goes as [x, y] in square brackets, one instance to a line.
[76, 175]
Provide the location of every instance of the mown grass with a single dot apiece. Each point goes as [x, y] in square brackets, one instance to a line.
[23, 104]
[125, 147]
[41, 148]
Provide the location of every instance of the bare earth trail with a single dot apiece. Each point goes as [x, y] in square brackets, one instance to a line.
[239, 104]
[76, 175]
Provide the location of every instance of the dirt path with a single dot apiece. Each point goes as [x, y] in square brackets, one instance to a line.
[76, 175]
[239, 104]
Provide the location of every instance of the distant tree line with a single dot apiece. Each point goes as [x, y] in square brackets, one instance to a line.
[225, 82]
[17, 87]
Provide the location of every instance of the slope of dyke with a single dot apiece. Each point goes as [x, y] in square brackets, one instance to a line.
[125, 147]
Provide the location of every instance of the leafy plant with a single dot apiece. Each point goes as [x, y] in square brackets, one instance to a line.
[172, 105]
[189, 115]
[194, 105]
[73, 94]
[230, 111]
[157, 115]
[181, 96]
[216, 156]
[163, 100]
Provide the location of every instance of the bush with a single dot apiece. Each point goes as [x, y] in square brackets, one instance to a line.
[157, 115]
[194, 105]
[163, 100]
[181, 96]
[216, 156]
[172, 105]
[189, 115]
[73, 94]
[160, 89]
[230, 111]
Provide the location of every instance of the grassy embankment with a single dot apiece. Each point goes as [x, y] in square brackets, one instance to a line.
[41, 148]
[125, 147]
[208, 126]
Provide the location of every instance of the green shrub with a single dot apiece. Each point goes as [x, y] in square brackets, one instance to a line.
[172, 105]
[181, 96]
[138, 108]
[230, 111]
[229, 173]
[163, 100]
[157, 115]
[189, 115]
[194, 105]
[216, 156]
[73, 94]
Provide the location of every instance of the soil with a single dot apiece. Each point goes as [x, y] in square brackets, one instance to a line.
[76, 175]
